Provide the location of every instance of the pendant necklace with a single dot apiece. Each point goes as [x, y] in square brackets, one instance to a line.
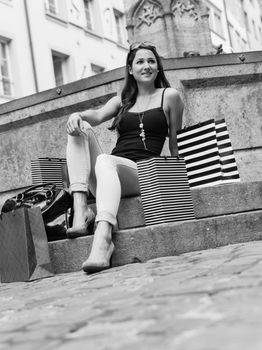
[141, 124]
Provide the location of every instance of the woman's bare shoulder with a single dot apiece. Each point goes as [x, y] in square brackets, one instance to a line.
[171, 93]
[172, 98]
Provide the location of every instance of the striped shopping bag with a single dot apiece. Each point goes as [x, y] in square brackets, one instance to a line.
[208, 153]
[45, 170]
[165, 191]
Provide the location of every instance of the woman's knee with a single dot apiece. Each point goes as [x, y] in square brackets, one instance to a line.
[88, 131]
[104, 162]
[87, 127]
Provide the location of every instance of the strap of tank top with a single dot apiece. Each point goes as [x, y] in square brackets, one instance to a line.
[162, 99]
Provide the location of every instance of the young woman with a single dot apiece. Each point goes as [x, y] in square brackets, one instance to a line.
[147, 112]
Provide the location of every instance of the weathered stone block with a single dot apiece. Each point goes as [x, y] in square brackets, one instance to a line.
[144, 243]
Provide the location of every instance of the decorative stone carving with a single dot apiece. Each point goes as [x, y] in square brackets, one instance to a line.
[150, 12]
[181, 8]
[174, 26]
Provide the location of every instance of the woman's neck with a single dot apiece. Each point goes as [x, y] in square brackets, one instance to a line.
[145, 90]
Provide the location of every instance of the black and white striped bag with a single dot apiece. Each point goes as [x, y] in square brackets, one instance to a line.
[45, 170]
[208, 153]
[165, 191]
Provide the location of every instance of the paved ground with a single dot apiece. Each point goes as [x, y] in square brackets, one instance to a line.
[205, 300]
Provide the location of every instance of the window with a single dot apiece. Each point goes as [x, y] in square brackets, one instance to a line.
[120, 26]
[59, 61]
[88, 14]
[96, 69]
[51, 6]
[108, 22]
[235, 7]
[5, 81]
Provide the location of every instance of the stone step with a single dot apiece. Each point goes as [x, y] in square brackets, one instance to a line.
[144, 243]
[212, 201]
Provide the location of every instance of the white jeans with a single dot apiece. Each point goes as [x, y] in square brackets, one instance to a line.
[108, 177]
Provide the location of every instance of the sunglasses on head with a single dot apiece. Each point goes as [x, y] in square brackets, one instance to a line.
[144, 44]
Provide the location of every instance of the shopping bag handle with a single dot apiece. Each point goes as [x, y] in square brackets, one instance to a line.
[20, 196]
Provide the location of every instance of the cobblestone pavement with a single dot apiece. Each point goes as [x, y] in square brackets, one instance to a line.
[202, 300]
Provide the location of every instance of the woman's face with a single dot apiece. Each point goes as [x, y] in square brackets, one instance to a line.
[144, 66]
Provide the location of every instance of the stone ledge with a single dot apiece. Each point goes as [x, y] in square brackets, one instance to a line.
[43, 113]
[208, 201]
[178, 63]
[144, 243]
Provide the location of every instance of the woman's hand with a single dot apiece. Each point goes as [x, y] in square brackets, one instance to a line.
[94, 117]
[74, 125]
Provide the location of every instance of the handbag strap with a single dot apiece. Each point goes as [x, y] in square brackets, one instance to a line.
[20, 196]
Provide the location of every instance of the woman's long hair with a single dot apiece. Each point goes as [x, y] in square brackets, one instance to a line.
[130, 90]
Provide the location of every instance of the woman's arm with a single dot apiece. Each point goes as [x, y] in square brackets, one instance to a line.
[174, 107]
[93, 116]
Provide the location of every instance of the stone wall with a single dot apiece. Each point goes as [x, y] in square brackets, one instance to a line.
[223, 86]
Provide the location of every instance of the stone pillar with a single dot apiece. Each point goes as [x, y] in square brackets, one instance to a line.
[175, 26]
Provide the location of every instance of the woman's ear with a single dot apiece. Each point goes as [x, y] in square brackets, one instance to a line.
[130, 70]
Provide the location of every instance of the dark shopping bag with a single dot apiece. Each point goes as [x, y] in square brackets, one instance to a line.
[55, 204]
[165, 191]
[208, 153]
[24, 252]
[49, 170]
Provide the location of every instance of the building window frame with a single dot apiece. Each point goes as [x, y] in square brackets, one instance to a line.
[59, 67]
[6, 85]
[51, 7]
[89, 15]
[119, 22]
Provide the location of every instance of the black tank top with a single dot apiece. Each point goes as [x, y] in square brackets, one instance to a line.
[130, 145]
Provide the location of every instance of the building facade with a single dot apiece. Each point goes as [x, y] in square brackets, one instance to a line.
[236, 24]
[47, 43]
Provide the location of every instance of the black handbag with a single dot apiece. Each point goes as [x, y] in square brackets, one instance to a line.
[55, 205]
